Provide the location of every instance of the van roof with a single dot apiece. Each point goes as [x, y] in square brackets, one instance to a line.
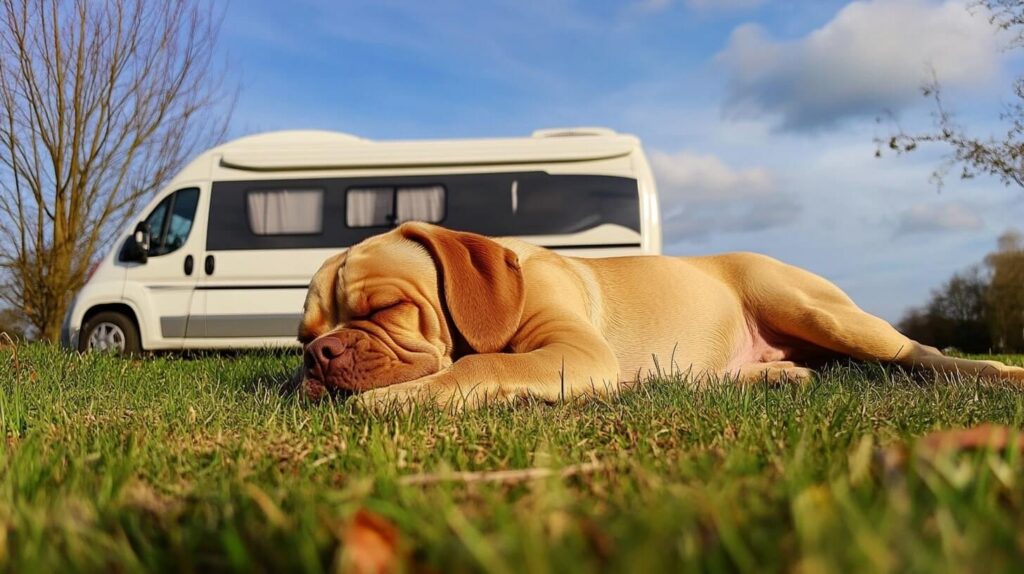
[316, 149]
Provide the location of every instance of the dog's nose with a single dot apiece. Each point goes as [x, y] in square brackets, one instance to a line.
[322, 351]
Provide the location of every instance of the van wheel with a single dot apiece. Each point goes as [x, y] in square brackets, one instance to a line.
[110, 332]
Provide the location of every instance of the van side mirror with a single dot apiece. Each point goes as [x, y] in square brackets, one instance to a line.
[141, 235]
[136, 249]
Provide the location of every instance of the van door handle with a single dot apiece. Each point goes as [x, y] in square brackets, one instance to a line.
[208, 265]
[189, 264]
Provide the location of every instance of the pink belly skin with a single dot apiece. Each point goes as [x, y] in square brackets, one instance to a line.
[753, 350]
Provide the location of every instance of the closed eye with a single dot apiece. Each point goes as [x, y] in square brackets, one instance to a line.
[381, 309]
[388, 307]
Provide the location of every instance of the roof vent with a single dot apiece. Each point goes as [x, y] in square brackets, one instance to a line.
[568, 132]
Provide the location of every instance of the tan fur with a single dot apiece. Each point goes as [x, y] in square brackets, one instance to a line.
[584, 326]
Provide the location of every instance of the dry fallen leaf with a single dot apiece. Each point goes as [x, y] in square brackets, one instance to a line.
[599, 542]
[995, 437]
[370, 545]
[892, 460]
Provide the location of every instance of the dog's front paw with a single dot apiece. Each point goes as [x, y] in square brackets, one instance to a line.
[403, 398]
[997, 370]
[1010, 373]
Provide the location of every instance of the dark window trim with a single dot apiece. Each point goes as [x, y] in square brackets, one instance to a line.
[323, 195]
[593, 246]
[249, 287]
[549, 204]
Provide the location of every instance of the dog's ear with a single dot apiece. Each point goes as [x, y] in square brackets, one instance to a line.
[320, 312]
[482, 282]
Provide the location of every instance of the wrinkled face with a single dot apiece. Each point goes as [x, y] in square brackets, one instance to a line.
[378, 314]
[373, 318]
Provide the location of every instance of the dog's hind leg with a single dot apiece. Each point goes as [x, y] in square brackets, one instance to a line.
[804, 307]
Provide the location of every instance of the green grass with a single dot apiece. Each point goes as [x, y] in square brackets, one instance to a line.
[200, 464]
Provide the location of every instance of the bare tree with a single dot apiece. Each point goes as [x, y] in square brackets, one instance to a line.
[956, 315]
[980, 309]
[1006, 292]
[12, 324]
[101, 101]
[1002, 155]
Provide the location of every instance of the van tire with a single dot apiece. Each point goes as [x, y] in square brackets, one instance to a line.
[118, 329]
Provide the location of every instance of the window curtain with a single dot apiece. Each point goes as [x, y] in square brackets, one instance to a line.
[368, 207]
[286, 212]
[420, 204]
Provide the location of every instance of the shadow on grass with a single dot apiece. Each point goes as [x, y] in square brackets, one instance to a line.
[285, 381]
[274, 370]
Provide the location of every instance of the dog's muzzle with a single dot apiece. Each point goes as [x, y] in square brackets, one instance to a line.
[348, 361]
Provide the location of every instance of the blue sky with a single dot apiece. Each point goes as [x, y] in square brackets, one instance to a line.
[758, 115]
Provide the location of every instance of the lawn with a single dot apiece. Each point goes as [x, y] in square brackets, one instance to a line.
[202, 464]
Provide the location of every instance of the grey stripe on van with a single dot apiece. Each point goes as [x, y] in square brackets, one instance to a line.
[218, 326]
[173, 327]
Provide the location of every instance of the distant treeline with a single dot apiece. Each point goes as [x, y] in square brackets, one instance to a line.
[978, 310]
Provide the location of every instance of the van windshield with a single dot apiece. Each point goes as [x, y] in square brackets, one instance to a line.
[155, 223]
[167, 234]
[180, 224]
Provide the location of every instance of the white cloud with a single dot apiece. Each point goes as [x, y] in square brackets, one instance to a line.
[702, 195]
[938, 217]
[873, 56]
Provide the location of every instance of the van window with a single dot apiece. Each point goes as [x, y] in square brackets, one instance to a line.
[169, 233]
[533, 203]
[369, 207]
[387, 206]
[180, 224]
[420, 204]
[156, 219]
[286, 211]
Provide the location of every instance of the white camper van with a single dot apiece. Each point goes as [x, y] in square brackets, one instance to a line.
[222, 257]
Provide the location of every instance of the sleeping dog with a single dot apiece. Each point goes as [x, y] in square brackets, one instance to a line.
[423, 313]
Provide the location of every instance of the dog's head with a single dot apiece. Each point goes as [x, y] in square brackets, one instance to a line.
[394, 307]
